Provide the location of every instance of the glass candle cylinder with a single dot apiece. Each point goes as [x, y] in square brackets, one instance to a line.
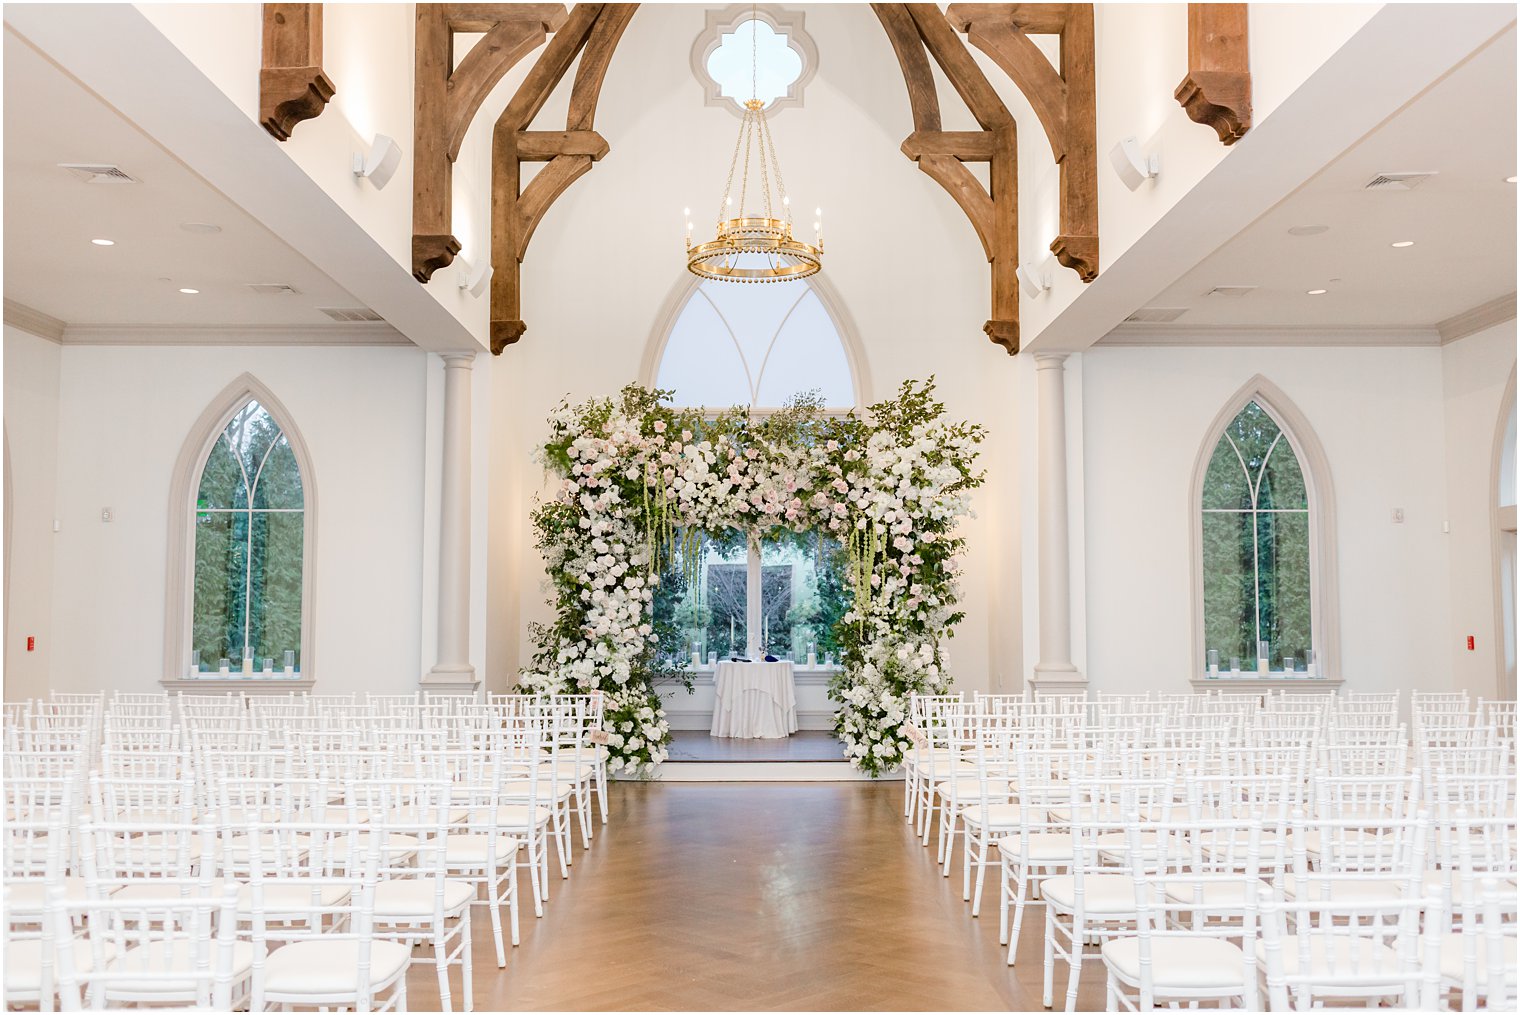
[290, 661]
[1213, 661]
[268, 664]
[195, 662]
[1288, 664]
[1311, 665]
[1263, 657]
[1234, 664]
[225, 665]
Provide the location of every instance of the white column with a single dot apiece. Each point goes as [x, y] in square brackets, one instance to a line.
[1055, 666]
[453, 665]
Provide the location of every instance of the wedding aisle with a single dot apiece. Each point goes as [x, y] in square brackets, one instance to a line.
[760, 896]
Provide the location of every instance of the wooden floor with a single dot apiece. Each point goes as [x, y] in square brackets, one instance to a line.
[766, 896]
[804, 745]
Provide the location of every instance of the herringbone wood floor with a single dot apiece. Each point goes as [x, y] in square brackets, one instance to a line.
[801, 896]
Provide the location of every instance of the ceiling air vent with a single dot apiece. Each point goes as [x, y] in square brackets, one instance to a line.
[274, 288]
[1230, 290]
[1396, 181]
[97, 172]
[351, 313]
[1156, 315]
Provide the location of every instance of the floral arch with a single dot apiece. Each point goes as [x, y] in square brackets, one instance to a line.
[639, 480]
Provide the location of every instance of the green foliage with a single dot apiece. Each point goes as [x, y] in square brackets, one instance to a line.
[249, 545]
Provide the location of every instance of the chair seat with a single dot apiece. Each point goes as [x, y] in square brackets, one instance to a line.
[325, 969]
[30, 896]
[1453, 961]
[410, 815]
[1214, 894]
[464, 850]
[1182, 964]
[1044, 847]
[1112, 844]
[174, 972]
[23, 964]
[1345, 889]
[396, 845]
[410, 899]
[999, 815]
[296, 845]
[968, 790]
[1370, 958]
[511, 816]
[153, 888]
[285, 897]
[1103, 894]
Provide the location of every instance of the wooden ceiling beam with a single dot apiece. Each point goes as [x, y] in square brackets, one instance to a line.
[591, 32]
[918, 31]
[1217, 89]
[292, 84]
[1064, 98]
[446, 98]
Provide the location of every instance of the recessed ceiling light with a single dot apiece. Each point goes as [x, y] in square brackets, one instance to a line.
[200, 227]
[1312, 292]
[190, 292]
[1307, 230]
[1402, 243]
[104, 243]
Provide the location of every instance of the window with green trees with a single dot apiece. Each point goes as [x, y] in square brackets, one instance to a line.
[1256, 549]
[249, 547]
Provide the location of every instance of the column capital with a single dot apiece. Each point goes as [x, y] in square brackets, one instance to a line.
[1050, 360]
[458, 360]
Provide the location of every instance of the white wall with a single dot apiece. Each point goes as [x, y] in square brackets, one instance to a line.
[31, 444]
[124, 414]
[1379, 415]
[1475, 372]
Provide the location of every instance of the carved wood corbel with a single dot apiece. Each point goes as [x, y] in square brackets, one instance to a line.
[292, 86]
[1217, 89]
[591, 31]
[918, 31]
[447, 98]
[1063, 97]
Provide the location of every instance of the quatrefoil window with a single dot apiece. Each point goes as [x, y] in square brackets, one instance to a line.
[759, 51]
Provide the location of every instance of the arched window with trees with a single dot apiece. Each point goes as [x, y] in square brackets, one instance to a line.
[1260, 564]
[240, 569]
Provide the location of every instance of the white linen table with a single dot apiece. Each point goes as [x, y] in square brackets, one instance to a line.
[756, 701]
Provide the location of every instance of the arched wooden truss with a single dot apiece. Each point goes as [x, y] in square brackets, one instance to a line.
[1063, 96]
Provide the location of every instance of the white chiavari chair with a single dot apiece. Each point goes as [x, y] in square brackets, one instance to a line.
[990, 812]
[175, 951]
[136, 798]
[1188, 946]
[1477, 952]
[480, 852]
[36, 857]
[416, 903]
[310, 894]
[1342, 951]
[1096, 901]
[924, 733]
[1042, 846]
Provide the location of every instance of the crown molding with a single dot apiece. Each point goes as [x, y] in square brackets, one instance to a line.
[1171, 335]
[356, 333]
[1479, 318]
[34, 322]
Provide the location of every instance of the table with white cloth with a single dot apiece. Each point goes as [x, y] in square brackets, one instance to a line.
[754, 700]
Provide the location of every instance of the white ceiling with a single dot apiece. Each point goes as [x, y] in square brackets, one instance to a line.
[1462, 222]
[50, 218]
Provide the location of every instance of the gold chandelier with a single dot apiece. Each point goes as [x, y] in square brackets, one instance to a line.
[755, 247]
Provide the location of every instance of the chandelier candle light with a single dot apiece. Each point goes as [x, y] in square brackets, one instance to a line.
[755, 247]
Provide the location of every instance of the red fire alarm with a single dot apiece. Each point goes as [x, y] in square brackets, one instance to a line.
[1471, 644]
[31, 643]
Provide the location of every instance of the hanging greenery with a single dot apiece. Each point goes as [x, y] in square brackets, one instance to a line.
[641, 482]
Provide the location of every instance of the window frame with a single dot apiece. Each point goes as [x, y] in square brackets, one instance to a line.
[1324, 608]
[685, 288]
[180, 584]
[724, 21]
